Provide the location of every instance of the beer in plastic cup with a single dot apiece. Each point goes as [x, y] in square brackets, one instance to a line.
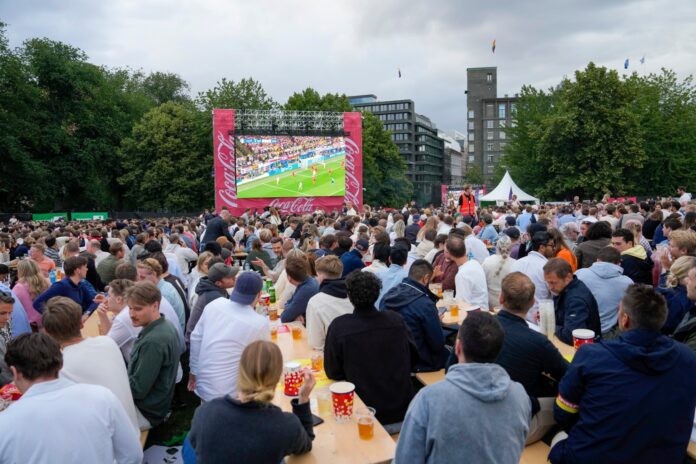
[292, 380]
[454, 310]
[366, 422]
[272, 313]
[342, 394]
[317, 361]
[324, 404]
[582, 336]
[296, 331]
[274, 332]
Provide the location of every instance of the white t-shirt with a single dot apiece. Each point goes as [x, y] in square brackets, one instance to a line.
[98, 361]
[217, 343]
[322, 309]
[470, 284]
[477, 247]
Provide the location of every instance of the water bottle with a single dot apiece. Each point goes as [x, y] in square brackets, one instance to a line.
[547, 318]
[52, 276]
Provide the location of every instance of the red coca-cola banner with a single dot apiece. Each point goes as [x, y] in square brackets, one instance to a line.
[226, 187]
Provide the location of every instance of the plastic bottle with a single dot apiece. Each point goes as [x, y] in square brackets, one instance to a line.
[271, 294]
[52, 276]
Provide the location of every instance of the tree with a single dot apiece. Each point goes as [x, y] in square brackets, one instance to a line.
[473, 175]
[384, 170]
[167, 160]
[310, 100]
[582, 138]
[246, 94]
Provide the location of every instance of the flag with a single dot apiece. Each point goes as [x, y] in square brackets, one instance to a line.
[399, 73]
[510, 195]
[493, 46]
[626, 64]
[642, 59]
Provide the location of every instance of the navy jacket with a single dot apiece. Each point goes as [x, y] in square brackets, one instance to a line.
[630, 399]
[576, 308]
[678, 304]
[411, 232]
[416, 304]
[297, 304]
[351, 261]
[82, 293]
[216, 228]
[639, 270]
[527, 355]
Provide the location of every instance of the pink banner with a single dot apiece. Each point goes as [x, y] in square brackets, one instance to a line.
[226, 187]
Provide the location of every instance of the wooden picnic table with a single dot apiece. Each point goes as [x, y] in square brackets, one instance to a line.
[334, 442]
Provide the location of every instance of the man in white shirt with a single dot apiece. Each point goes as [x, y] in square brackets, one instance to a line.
[94, 360]
[475, 245]
[183, 254]
[222, 333]
[470, 281]
[331, 301]
[684, 196]
[57, 420]
[532, 266]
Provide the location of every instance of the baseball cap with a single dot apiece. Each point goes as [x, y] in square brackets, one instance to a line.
[248, 285]
[219, 271]
[362, 245]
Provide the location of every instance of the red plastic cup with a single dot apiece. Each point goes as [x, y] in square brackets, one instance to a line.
[582, 336]
[293, 379]
[342, 394]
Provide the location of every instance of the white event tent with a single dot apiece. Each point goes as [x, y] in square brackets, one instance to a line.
[504, 190]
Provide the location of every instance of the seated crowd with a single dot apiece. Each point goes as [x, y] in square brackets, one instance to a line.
[178, 324]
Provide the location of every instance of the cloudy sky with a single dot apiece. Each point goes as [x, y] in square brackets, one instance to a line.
[357, 46]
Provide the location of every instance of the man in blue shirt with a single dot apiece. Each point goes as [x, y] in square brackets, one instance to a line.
[488, 232]
[395, 273]
[72, 286]
[297, 269]
[525, 219]
[19, 322]
[354, 258]
[629, 399]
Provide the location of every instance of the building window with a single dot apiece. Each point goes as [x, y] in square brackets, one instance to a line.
[489, 147]
[489, 77]
[472, 158]
[513, 108]
[501, 123]
[421, 147]
[489, 169]
[489, 124]
[501, 111]
[471, 114]
[471, 125]
[471, 148]
[501, 135]
[471, 136]
[489, 135]
[490, 158]
[489, 110]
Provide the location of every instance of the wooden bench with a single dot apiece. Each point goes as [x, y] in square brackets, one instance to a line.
[691, 450]
[536, 453]
[143, 438]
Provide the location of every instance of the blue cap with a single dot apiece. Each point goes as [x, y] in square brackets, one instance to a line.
[246, 288]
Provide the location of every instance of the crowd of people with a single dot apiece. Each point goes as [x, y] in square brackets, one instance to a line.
[176, 314]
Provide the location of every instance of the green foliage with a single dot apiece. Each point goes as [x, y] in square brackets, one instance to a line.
[384, 170]
[167, 161]
[246, 94]
[310, 100]
[603, 134]
[473, 175]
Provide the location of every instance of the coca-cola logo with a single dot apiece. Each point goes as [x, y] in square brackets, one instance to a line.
[294, 205]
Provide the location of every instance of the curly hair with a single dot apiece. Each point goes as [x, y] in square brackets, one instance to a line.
[363, 289]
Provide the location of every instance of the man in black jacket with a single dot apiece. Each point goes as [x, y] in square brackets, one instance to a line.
[527, 355]
[372, 349]
[635, 261]
[217, 227]
[575, 306]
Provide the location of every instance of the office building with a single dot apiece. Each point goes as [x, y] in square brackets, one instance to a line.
[454, 162]
[488, 117]
[419, 145]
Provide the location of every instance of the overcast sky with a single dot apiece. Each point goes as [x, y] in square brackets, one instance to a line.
[357, 47]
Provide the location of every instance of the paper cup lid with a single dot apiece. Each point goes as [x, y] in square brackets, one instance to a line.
[342, 388]
[583, 333]
[292, 366]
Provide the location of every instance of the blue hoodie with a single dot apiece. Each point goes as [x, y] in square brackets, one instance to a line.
[476, 415]
[416, 304]
[630, 399]
[678, 304]
[607, 284]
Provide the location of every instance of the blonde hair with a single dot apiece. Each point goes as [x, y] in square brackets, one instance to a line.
[503, 247]
[679, 270]
[202, 258]
[152, 266]
[29, 272]
[259, 372]
[399, 228]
